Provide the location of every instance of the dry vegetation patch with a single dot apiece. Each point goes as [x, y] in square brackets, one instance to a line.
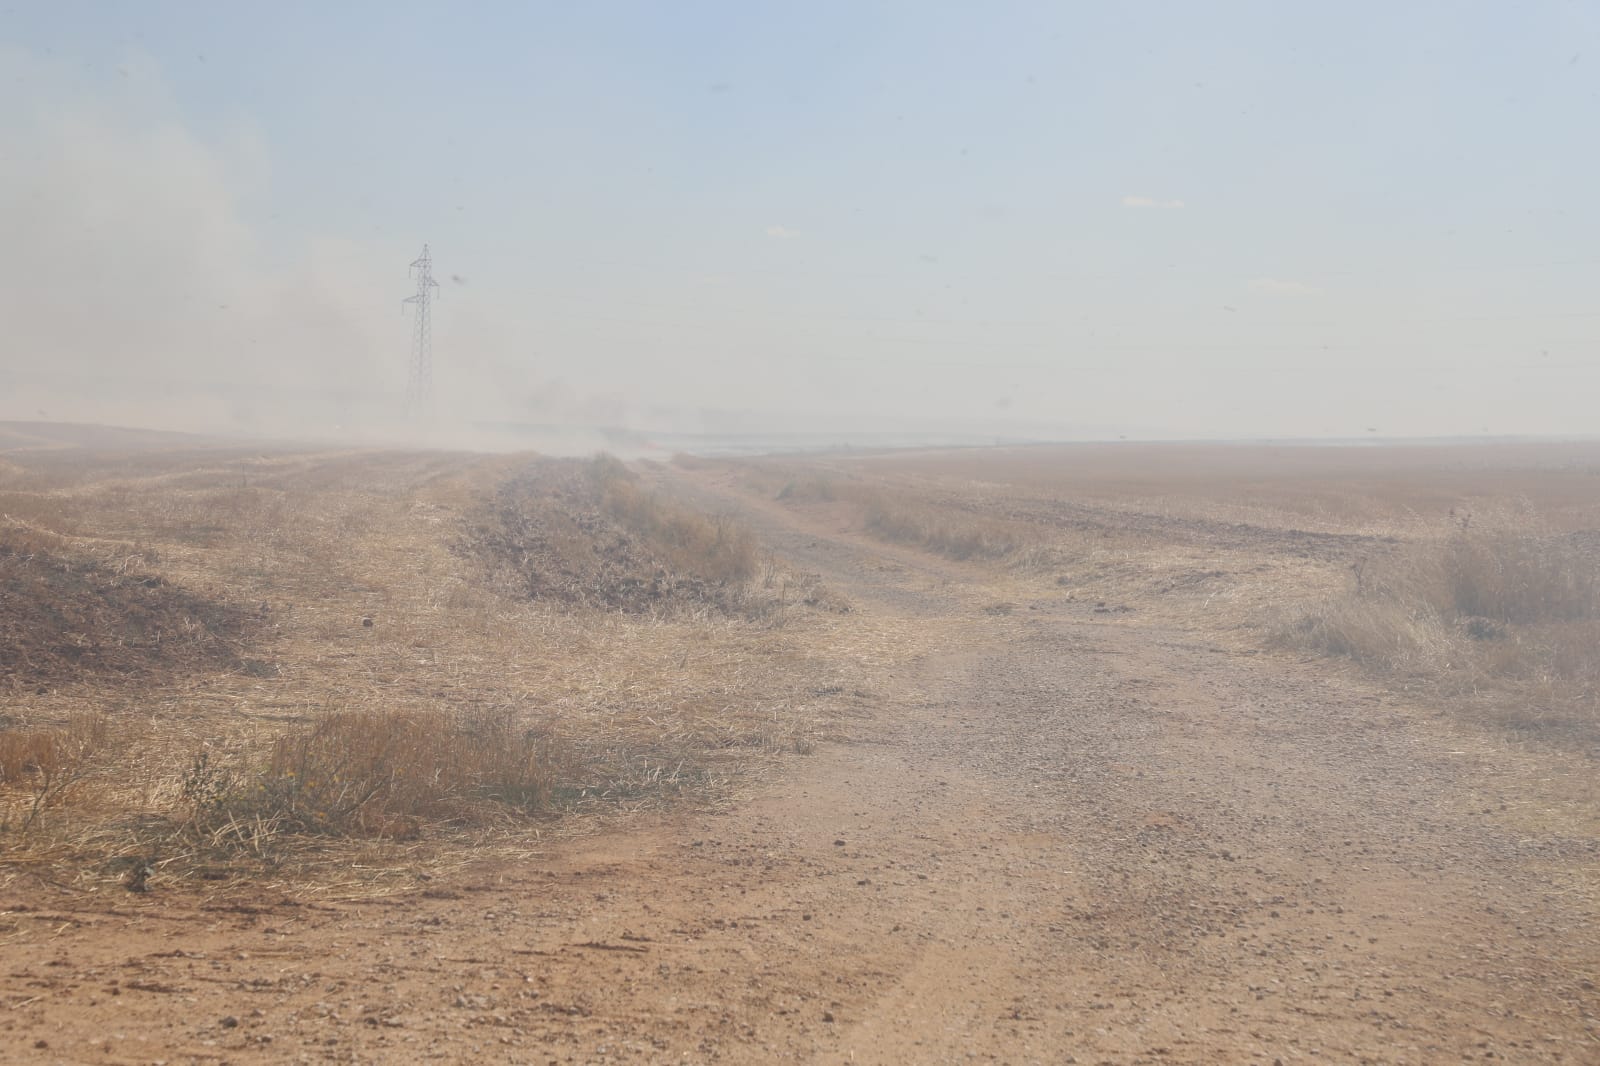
[586, 532]
[372, 773]
[919, 515]
[1503, 621]
[949, 531]
[434, 647]
[41, 767]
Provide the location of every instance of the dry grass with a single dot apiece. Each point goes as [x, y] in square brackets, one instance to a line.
[1503, 621]
[945, 530]
[712, 548]
[386, 688]
[587, 533]
[41, 768]
[916, 514]
[372, 773]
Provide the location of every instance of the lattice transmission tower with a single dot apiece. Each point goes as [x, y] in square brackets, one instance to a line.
[419, 388]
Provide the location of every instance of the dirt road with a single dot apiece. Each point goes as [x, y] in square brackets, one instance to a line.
[1065, 836]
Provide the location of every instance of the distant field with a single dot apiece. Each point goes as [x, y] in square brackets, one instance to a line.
[1467, 574]
[1340, 488]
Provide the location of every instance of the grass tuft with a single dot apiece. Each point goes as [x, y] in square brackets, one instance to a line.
[41, 768]
[1502, 618]
[373, 773]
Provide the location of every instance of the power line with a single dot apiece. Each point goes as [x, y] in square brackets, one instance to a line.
[419, 387]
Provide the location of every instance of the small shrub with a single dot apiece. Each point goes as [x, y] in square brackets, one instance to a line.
[1506, 619]
[40, 768]
[1516, 578]
[372, 773]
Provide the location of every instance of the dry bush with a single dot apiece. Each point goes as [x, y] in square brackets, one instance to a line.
[1504, 619]
[1379, 632]
[41, 768]
[374, 773]
[1513, 577]
[1472, 583]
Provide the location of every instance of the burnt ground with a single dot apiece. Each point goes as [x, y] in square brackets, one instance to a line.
[67, 617]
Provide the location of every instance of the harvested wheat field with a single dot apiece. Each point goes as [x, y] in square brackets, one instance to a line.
[1096, 754]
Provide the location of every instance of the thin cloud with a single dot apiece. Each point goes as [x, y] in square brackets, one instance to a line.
[1151, 202]
[782, 233]
[1281, 287]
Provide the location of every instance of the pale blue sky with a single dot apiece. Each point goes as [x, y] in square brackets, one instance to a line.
[1225, 219]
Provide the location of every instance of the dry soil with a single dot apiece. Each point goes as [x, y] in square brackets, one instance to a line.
[1065, 835]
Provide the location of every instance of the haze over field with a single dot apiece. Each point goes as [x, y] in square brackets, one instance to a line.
[1038, 220]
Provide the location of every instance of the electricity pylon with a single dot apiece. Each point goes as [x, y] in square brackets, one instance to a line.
[419, 389]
